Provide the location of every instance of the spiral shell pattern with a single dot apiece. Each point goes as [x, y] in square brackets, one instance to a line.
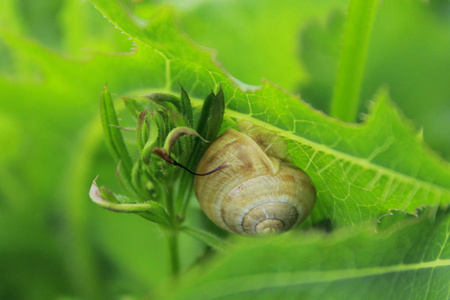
[255, 193]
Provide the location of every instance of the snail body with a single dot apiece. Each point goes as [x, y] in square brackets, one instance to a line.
[255, 193]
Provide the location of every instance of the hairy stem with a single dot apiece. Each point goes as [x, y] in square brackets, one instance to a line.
[347, 88]
[172, 234]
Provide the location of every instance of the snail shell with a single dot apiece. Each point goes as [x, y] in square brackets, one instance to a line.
[255, 193]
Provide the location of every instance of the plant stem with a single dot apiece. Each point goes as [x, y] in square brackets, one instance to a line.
[347, 88]
[172, 234]
[174, 258]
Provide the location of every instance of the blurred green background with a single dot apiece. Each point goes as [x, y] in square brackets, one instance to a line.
[55, 57]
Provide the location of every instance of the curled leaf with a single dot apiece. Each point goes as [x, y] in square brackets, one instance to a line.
[178, 132]
[149, 210]
[161, 152]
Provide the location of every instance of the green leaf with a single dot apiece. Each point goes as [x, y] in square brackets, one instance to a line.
[408, 260]
[125, 180]
[150, 121]
[133, 107]
[208, 127]
[151, 142]
[186, 108]
[136, 179]
[205, 237]
[212, 115]
[357, 178]
[112, 133]
[265, 51]
[161, 97]
[209, 124]
[141, 130]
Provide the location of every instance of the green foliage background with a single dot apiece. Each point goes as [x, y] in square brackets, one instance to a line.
[55, 57]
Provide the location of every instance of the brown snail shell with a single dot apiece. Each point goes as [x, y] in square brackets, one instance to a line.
[255, 193]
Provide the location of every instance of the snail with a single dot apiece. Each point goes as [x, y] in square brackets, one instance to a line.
[256, 193]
